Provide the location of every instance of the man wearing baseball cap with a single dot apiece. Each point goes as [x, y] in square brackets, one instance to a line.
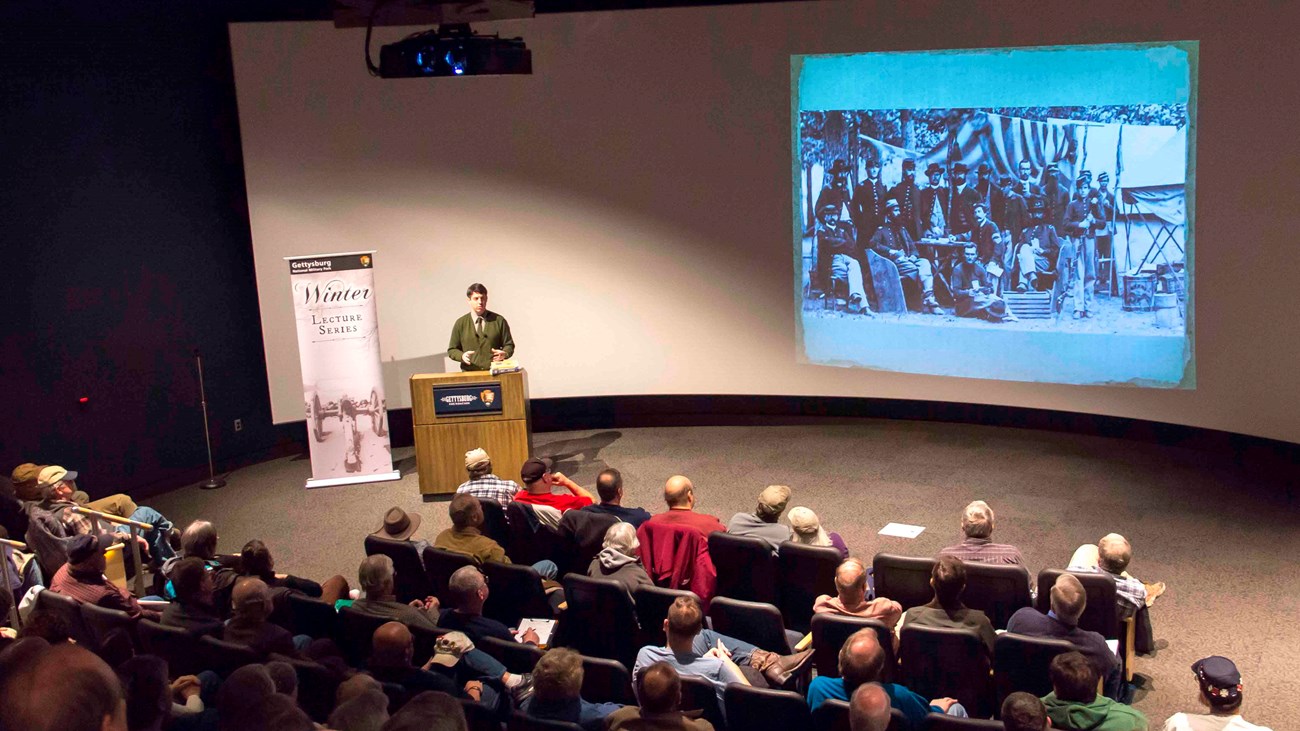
[538, 481]
[58, 486]
[82, 578]
[1220, 685]
[484, 485]
[765, 521]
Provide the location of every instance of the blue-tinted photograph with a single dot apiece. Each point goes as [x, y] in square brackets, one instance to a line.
[1041, 242]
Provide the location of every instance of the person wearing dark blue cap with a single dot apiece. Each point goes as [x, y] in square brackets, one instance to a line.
[1220, 684]
[82, 577]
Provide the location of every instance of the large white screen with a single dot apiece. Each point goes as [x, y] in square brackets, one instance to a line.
[629, 206]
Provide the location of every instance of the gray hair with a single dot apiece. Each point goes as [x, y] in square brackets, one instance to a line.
[199, 539]
[375, 573]
[464, 582]
[622, 538]
[977, 520]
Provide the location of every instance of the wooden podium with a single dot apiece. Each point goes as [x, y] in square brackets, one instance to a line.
[455, 412]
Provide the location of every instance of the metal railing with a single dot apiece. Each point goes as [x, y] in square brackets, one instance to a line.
[135, 526]
[16, 620]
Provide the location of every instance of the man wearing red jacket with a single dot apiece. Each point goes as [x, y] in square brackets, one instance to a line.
[679, 493]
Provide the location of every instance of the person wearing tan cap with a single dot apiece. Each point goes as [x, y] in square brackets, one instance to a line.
[59, 487]
[484, 485]
[808, 530]
[765, 521]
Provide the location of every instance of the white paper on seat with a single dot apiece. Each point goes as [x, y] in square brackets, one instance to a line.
[902, 530]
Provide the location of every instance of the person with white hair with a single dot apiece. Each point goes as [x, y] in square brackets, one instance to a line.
[808, 530]
[618, 559]
[977, 525]
[484, 485]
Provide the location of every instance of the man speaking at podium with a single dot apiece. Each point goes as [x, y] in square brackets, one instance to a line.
[480, 337]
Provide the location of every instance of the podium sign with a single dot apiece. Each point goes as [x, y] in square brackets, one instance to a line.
[478, 398]
[343, 386]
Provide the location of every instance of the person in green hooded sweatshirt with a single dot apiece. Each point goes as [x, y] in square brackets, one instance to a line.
[1074, 702]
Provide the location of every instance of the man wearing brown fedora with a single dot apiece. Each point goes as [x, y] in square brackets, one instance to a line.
[399, 525]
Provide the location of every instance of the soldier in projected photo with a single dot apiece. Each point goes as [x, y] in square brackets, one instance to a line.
[894, 242]
[973, 288]
[837, 255]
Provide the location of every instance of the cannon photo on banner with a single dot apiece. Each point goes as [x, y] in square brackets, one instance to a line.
[326, 405]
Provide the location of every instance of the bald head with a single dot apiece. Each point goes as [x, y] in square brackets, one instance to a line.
[851, 581]
[1068, 599]
[1114, 553]
[392, 644]
[251, 598]
[63, 688]
[660, 688]
[861, 659]
[869, 708]
[679, 492]
[977, 520]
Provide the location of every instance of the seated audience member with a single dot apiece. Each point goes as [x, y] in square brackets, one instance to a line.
[58, 487]
[1074, 702]
[851, 597]
[807, 529]
[26, 482]
[256, 560]
[467, 591]
[82, 578]
[618, 559]
[700, 652]
[1220, 686]
[659, 689]
[149, 695]
[239, 696]
[484, 485]
[399, 525]
[609, 486]
[948, 579]
[861, 661]
[977, 524]
[465, 536]
[285, 678]
[679, 493]
[764, 522]
[377, 577]
[13, 514]
[248, 625]
[193, 608]
[366, 711]
[869, 708]
[1068, 601]
[538, 481]
[1024, 712]
[392, 648]
[199, 540]
[1112, 555]
[62, 688]
[429, 711]
[557, 686]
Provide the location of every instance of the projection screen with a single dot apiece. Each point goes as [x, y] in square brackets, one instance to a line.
[1015, 214]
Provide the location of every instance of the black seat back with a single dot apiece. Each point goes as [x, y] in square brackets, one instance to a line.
[114, 633]
[606, 681]
[699, 694]
[754, 708]
[746, 567]
[312, 617]
[805, 572]
[317, 686]
[69, 610]
[516, 656]
[515, 593]
[409, 582]
[224, 657]
[174, 644]
[356, 630]
[652, 605]
[941, 722]
[831, 631]
[1020, 662]
[424, 640]
[479, 717]
[905, 579]
[757, 623]
[439, 565]
[522, 722]
[600, 620]
[530, 541]
[494, 522]
[939, 662]
[1101, 614]
[582, 534]
[996, 590]
[831, 715]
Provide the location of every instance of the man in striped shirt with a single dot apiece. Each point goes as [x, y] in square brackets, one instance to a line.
[484, 485]
[977, 524]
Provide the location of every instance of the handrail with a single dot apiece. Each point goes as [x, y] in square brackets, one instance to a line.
[135, 527]
[14, 544]
[111, 518]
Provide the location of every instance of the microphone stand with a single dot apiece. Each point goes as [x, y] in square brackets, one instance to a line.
[213, 482]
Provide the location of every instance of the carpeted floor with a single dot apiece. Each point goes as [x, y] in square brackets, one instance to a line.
[1226, 544]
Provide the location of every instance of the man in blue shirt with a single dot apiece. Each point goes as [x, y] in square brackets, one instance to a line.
[861, 661]
[610, 487]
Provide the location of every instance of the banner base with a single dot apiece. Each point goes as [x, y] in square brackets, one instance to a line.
[355, 480]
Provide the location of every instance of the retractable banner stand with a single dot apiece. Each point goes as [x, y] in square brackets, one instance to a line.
[343, 388]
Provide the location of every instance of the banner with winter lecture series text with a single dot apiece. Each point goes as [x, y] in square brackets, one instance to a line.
[342, 384]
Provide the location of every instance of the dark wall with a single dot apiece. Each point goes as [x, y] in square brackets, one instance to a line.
[126, 245]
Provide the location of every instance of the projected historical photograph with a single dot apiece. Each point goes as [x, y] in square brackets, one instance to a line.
[1028, 242]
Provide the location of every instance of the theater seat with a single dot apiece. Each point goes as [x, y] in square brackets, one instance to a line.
[831, 631]
[410, 582]
[762, 708]
[905, 579]
[746, 567]
[939, 662]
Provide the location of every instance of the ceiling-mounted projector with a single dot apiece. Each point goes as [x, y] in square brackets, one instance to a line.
[454, 50]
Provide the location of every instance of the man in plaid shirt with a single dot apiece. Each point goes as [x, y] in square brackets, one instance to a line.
[977, 524]
[484, 485]
[1111, 555]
